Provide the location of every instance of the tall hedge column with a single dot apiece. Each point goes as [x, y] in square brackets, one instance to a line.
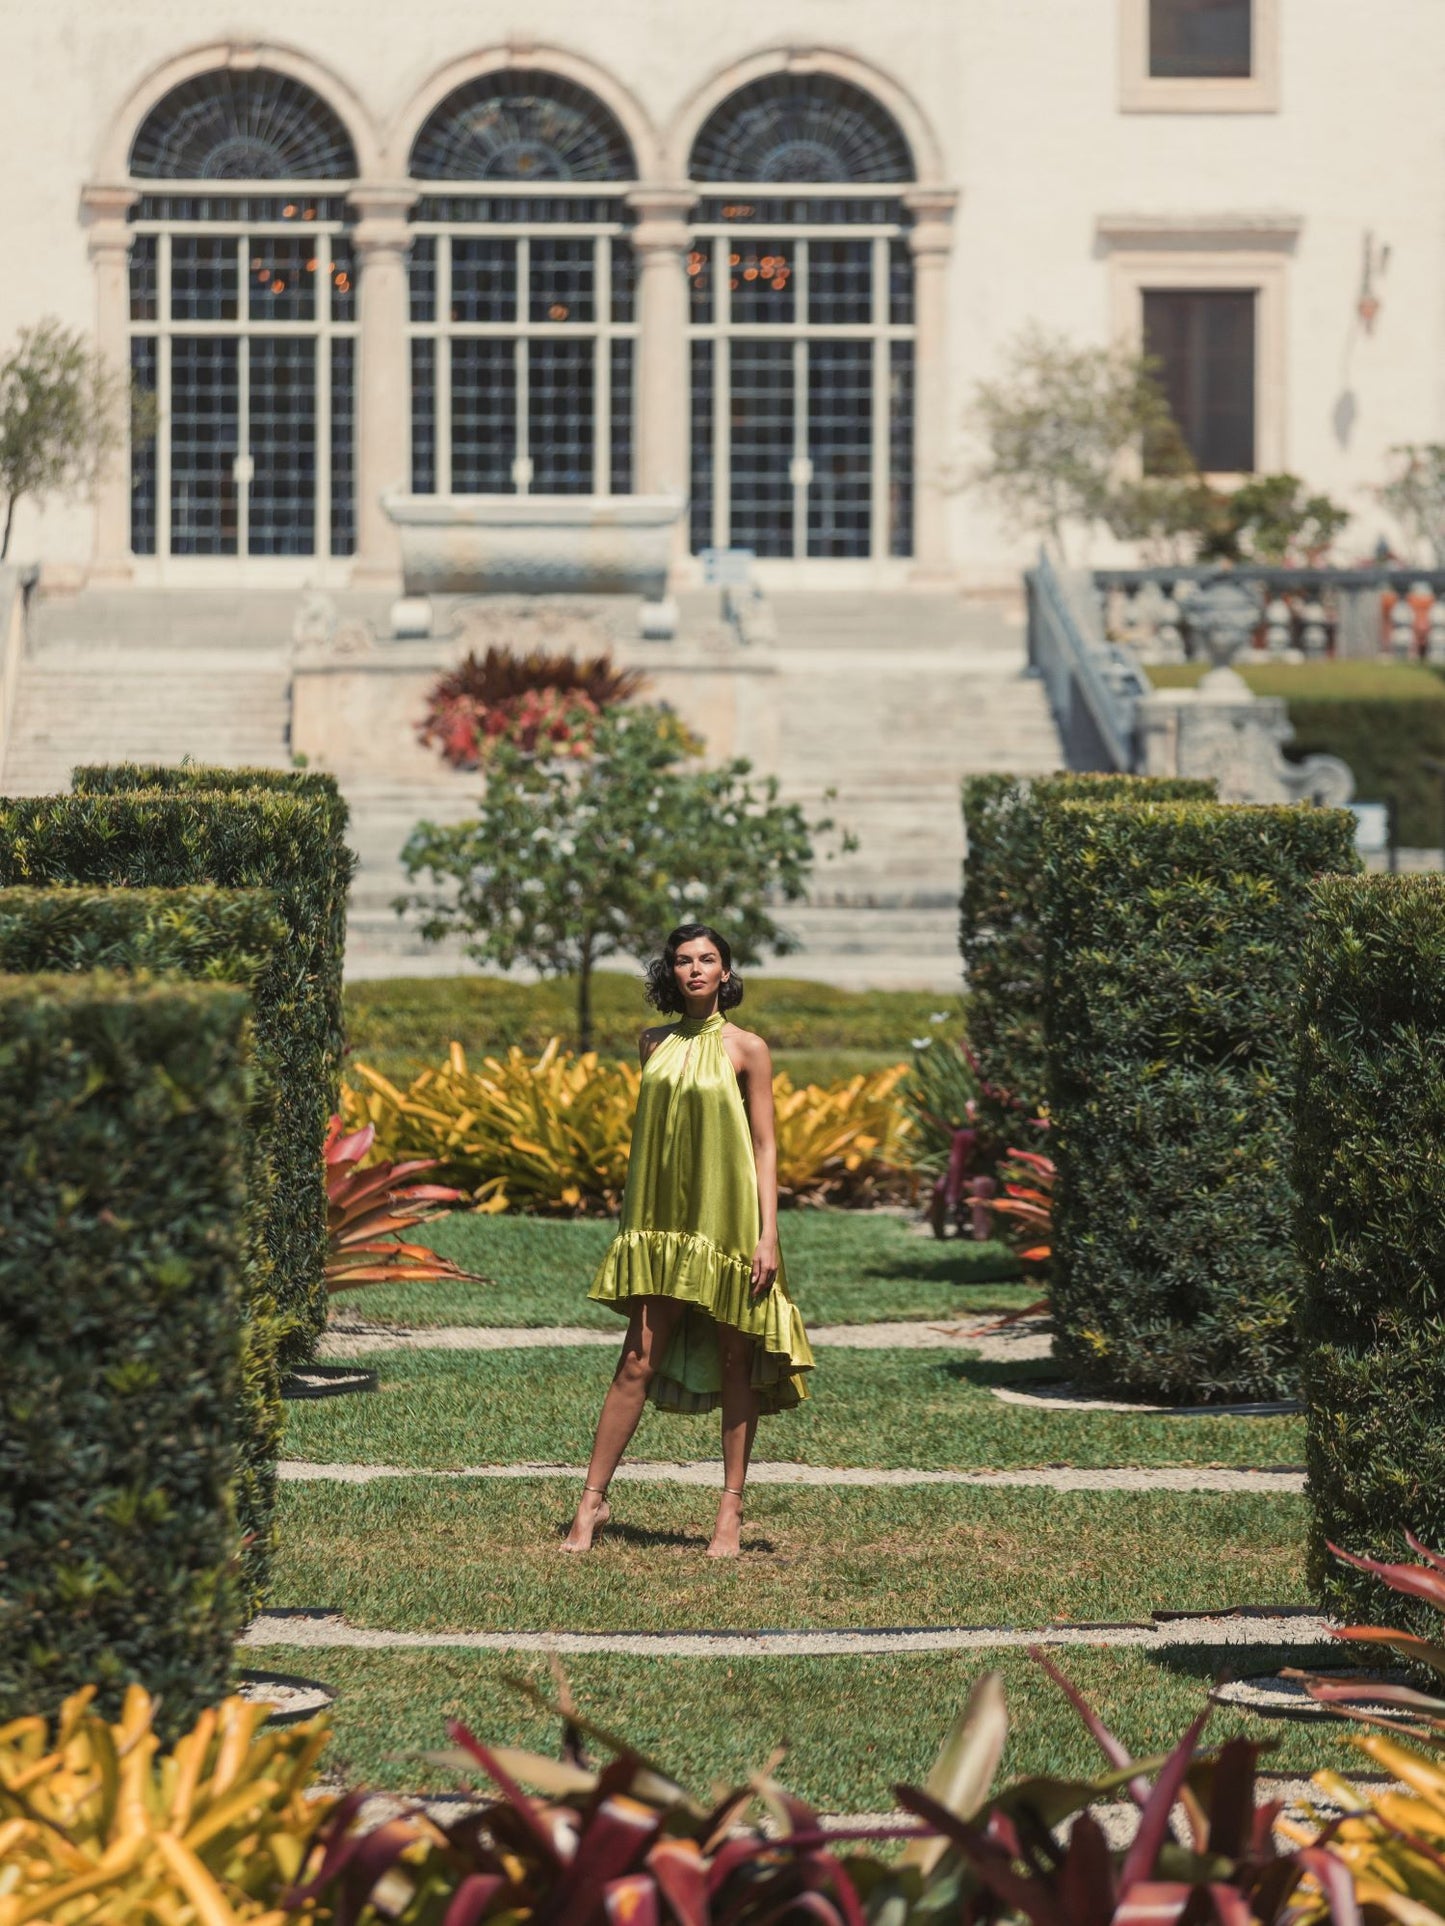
[1370, 1174]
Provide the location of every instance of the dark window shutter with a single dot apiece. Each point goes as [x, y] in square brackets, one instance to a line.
[1200, 39]
[1203, 340]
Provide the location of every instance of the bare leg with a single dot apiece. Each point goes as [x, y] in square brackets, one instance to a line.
[649, 1332]
[739, 1423]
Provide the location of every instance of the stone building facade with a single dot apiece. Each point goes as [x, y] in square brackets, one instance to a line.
[755, 256]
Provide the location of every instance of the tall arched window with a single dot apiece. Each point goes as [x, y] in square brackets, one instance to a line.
[522, 311]
[802, 324]
[242, 321]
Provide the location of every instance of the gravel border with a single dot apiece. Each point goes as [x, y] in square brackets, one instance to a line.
[355, 1338]
[1277, 1481]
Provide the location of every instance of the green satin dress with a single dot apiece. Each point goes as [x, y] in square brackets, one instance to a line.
[690, 1226]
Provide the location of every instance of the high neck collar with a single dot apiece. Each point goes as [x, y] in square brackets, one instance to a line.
[701, 1026]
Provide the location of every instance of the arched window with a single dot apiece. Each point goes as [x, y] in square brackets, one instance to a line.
[802, 324]
[522, 316]
[243, 321]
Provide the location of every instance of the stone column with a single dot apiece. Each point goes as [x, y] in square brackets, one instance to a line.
[930, 239]
[660, 242]
[103, 212]
[383, 390]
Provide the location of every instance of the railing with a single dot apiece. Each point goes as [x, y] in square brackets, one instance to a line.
[1304, 613]
[1093, 684]
[17, 585]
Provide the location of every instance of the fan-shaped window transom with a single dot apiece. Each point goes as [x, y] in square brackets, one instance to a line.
[254, 125]
[522, 126]
[800, 127]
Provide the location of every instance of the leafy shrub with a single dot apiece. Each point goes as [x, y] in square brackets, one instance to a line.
[1001, 925]
[1383, 718]
[230, 936]
[554, 1135]
[244, 840]
[316, 786]
[956, 1137]
[1173, 942]
[99, 1825]
[1270, 518]
[367, 1210]
[122, 1114]
[526, 699]
[1369, 1117]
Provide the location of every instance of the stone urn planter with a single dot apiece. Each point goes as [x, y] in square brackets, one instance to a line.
[536, 544]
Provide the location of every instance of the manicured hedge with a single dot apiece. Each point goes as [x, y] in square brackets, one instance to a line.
[125, 778]
[1369, 1170]
[232, 936]
[123, 1110]
[1173, 936]
[240, 841]
[1381, 717]
[1002, 908]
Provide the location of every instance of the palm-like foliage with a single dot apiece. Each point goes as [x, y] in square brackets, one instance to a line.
[367, 1209]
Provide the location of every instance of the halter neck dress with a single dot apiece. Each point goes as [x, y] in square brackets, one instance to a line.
[690, 1225]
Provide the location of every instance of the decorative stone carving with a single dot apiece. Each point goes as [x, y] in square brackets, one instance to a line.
[536, 544]
[1224, 731]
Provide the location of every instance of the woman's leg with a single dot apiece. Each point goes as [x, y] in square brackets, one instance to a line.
[739, 1423]
[649, 1332]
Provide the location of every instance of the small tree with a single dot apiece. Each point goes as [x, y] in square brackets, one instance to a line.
[571, 860]
[1272, 518]
[62, 417]
[1415, 495]
[1084, 436]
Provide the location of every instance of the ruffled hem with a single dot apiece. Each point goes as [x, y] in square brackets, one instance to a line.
[717, 1287]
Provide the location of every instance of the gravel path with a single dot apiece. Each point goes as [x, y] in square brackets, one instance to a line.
[330, 1630]
[356, 1338]
[1278, 1481]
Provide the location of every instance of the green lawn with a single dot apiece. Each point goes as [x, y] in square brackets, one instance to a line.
[845, 1267]
[855, 1726]
[817, 1033]
[928, 1409]
[435, 1554]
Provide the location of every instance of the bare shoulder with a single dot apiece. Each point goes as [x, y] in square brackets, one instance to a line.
[749, 1045]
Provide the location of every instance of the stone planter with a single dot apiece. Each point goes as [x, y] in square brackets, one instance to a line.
[536, 544]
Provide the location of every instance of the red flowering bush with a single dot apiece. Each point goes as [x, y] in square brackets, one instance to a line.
[537, 701]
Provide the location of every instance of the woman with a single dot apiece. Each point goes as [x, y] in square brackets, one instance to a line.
[695, 1266]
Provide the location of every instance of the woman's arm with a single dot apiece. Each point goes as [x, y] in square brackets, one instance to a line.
[762, 1126]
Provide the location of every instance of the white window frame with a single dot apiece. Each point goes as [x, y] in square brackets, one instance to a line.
[1147, 254]
[1141, 93]
[601, 331]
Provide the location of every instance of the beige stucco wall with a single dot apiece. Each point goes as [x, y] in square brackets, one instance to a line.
[1023, 97]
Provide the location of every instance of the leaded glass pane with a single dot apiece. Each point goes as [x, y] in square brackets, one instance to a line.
[760, 281]
[840, 447]
[900, 284]
[473, 210]
[1200, 39]
[484, 280]
[563, 273]
[762, 389]
[900, 448]
[702, 444]
[144, 291]
[620, 466]
[522, 126]
[205, 427]
[343, 445]
[700, 262]
[144, 353]
[624, 278]
[283, 444]
[281, 285]
[343, 280]
[242, 125]
[243, 210]
[799, 210]
[800, 127]
[840, 283]
[422, 277]
[560, 416]
[424, 417]
[204, 279]
[484, 415]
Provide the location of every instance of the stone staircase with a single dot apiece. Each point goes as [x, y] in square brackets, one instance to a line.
[888, 698]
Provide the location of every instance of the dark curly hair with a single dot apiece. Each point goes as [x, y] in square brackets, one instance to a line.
[661, 985]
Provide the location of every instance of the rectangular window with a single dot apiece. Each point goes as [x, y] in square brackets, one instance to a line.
[204, 280]
[840, 447]
[760, 281]
[620, 453]
[282, 438]
[1201, 39]
[484, 415]
[205, 438]
[143, 367]
[343, 445]
[1204, 341]
[560, 416]
[423, 417]
[763, 395]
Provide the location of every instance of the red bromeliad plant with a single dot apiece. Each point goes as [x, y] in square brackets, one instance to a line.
[1028, 1200]
[367, 1208]
[535, 701]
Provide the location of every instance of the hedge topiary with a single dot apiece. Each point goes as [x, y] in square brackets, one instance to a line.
[1369, 1124]
[1001, 915]
[1172, 944]
[232, 936]
[122, 1117]
[239, 841]
[126, 778]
